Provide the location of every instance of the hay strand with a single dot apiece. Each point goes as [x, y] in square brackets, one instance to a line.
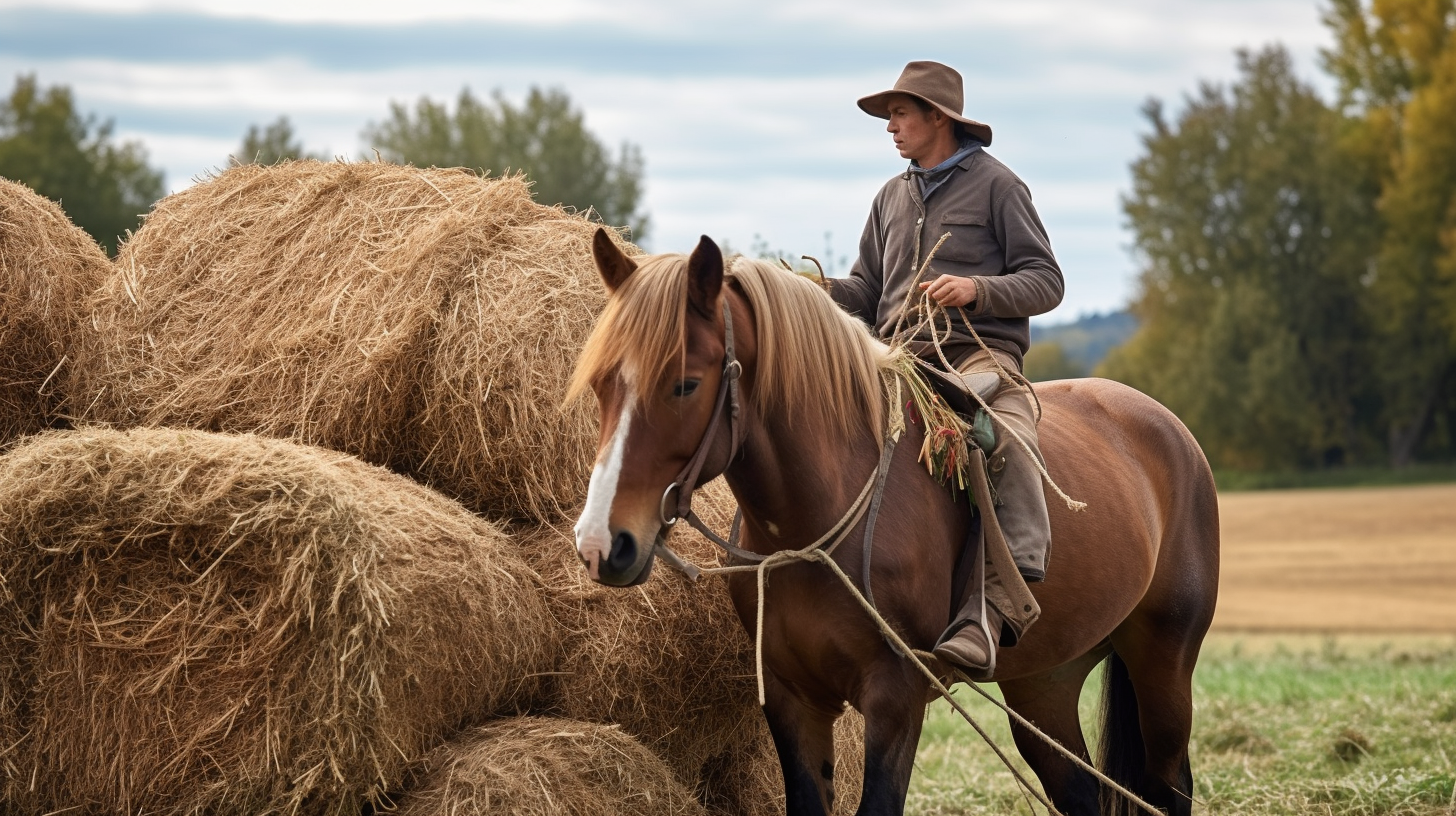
[198, 623]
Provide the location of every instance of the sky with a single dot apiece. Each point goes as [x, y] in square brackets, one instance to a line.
[745, 111]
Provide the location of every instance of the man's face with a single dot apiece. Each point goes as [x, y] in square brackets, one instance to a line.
[916, 132]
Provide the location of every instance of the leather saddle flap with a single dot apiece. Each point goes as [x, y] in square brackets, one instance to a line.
[956, 388]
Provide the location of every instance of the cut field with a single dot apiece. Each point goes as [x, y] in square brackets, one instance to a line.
[1339, 560]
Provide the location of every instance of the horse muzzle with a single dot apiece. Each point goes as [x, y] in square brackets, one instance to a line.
[628, 563]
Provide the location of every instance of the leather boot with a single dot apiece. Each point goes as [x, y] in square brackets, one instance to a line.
[972, 647]
[969, 648]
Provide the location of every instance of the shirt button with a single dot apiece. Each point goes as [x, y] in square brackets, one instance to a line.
[919, 221]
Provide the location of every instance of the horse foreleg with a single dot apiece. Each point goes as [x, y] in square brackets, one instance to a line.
[893, 704]
[803, 735]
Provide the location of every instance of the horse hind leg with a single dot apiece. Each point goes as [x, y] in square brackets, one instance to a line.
[1049, 701]
[1146, 723]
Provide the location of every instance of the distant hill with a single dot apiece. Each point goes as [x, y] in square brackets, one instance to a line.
[1086, 341]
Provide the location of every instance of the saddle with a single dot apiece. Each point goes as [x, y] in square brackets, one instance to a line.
[956, 389]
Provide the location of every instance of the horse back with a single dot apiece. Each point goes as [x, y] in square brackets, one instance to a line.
[1148, 537]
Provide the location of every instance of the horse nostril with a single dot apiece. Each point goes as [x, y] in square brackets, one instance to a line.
[624, 552]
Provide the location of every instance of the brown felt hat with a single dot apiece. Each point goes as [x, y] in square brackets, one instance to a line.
[939, 85]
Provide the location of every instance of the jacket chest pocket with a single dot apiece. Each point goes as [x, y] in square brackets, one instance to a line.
[970, 241]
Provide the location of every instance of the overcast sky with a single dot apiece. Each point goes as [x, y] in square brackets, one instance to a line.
[744, 111]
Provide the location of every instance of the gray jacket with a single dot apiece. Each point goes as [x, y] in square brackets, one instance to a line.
[995, 237]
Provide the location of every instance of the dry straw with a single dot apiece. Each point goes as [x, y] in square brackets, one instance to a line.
[670, 662]
[541, 766]
[426, 320]
[47, 268]
[197, 623]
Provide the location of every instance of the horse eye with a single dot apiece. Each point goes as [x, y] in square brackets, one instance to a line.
[684, 388]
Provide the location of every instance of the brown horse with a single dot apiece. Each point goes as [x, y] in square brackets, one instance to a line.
[1133, 577]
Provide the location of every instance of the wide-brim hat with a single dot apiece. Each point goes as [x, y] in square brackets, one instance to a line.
[936, 84]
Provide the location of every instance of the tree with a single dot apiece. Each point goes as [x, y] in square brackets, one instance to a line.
[272, 144]
[545, 138]
[47, 145]
[1395, 61]
[1253, 219]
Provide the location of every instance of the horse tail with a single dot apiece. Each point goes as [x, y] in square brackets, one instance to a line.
[1121, 753]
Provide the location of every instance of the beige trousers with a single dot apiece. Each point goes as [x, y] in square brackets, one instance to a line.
[1022, 507]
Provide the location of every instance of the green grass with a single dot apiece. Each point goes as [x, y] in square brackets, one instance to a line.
[1282, 725]
[1335, 477]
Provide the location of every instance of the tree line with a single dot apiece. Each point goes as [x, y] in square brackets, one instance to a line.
[106, 185]
[1297, 292]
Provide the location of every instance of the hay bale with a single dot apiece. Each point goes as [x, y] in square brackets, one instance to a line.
[671, 664]
[47, 268]
[199, 623]
[542, 766]
[425, 320]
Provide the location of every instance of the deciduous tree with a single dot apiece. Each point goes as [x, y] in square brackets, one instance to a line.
[74, 160]
[1396, 64]
[546, 138]
[271, 144]
[1253, 230]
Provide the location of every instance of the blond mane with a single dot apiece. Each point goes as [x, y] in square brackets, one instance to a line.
[816, 364]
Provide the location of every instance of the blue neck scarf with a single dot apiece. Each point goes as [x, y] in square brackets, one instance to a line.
[932, 179]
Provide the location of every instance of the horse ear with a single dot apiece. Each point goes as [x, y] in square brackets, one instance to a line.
[613, 264]
[705, 277]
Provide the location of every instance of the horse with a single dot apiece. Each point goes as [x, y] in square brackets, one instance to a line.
[1132, 578]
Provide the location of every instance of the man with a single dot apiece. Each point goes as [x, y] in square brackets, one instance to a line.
[997, 266]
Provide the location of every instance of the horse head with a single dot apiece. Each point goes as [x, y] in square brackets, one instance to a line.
[656, 363]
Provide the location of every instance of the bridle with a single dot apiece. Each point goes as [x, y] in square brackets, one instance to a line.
[728, 405]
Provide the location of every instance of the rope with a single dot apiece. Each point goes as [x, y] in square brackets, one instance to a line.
[930, 308]
[1027, 724]
[1072, 504]
[917, 657]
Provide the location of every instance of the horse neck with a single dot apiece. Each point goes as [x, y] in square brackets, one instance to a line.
[794, 483]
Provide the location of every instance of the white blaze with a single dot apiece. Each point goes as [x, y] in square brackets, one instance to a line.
[593, 535]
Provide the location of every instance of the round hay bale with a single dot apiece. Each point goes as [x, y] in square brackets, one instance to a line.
[670, 663]
[425, 320]
[199, 623]
[48, 266]
[541, 766]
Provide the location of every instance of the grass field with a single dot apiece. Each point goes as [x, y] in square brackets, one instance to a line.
[1354, 724]
[1328, 686]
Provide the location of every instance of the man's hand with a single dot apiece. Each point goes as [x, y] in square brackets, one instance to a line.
[951, 290]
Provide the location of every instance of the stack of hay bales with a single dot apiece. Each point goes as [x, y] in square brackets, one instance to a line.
[200, 623]
[543, 766]
[427, 320]
[419, 319]
[47, 268]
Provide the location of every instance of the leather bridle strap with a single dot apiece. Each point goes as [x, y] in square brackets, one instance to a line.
[687, 480]
[868, 499]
